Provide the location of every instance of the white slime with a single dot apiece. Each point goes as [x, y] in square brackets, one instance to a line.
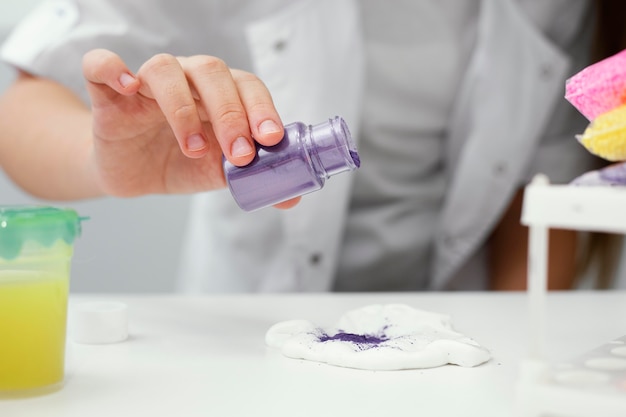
[379, 337]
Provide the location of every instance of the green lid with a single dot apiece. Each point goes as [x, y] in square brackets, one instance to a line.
[42, 224]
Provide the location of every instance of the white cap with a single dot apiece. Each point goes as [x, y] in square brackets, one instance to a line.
[100, 322]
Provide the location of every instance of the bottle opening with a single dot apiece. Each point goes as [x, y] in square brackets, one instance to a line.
[335, 147]
[345, 132]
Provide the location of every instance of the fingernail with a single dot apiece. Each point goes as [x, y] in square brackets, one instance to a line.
[241, 147]
[195, 142]
[126, 80]
[268, 126]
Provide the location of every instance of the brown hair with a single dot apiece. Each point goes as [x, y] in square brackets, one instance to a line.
[610, 28]
[603, 250]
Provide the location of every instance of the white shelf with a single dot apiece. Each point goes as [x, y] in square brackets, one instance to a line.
[541, 391]
[597, 208]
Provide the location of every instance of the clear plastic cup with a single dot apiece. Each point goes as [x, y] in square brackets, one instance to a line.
[36, 247]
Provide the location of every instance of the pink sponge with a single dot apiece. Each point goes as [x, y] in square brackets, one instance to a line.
[599, 87]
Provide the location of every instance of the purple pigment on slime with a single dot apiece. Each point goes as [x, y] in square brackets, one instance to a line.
[614, 174]
[361, 340]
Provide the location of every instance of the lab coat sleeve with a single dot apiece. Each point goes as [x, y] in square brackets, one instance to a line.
[51, 40]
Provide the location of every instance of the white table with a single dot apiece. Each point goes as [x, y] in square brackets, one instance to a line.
[205, 356]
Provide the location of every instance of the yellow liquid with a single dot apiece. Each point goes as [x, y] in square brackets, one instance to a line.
[33, 315]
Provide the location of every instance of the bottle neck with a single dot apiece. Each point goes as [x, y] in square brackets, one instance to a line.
[332, 147]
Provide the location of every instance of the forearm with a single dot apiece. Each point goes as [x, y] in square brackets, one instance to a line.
[46, 142]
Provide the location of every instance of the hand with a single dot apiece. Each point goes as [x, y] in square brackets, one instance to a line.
[164, 130]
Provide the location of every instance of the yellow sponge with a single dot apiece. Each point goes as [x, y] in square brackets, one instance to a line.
[606, 135]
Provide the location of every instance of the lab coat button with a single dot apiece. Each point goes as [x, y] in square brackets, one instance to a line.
[546, 71]
[499, 168]
[280, 45]
[315, 259]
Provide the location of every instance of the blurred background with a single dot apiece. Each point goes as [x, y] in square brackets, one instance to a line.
[128, 245]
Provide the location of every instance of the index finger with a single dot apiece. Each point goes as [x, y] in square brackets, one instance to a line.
[166, 82]
[211, 79]
[263, 118]
[238, 105]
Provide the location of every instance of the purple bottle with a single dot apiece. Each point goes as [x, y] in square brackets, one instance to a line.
[297, 165]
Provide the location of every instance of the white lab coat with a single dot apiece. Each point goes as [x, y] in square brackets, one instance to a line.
[513, 63]
[310, 55]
